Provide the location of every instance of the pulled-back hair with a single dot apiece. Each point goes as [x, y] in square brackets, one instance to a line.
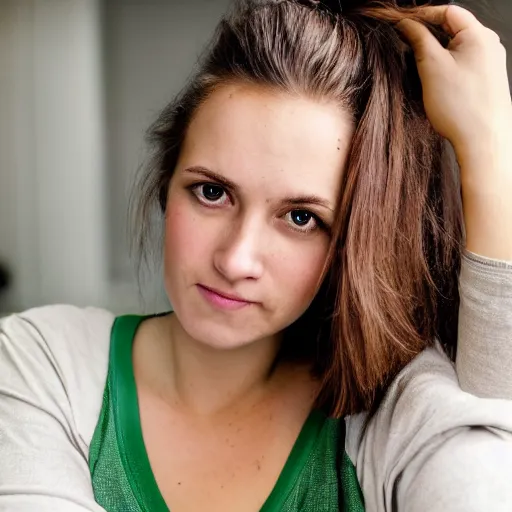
[391, 286]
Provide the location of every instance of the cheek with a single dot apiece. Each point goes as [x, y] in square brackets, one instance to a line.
[185, 241]
[177, 230]
[299, 273]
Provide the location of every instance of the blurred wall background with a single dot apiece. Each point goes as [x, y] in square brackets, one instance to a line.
[80, 82]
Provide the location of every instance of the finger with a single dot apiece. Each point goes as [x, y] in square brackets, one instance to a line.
[452, 18]
[423, 42]
[459, 19]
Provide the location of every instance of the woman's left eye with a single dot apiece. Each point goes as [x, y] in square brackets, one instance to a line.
[302, 220]
[210, 194]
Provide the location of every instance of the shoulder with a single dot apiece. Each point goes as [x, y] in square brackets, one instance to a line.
[430, 375]
[59, 321]
[65, 350]
[423, 409]
[71, 338]
[63, 329]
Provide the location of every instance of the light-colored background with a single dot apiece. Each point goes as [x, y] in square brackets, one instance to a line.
[80, 81]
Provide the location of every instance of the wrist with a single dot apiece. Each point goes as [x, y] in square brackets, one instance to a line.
[486, 161]
[486, 179]
[487, 192]
[488, 219]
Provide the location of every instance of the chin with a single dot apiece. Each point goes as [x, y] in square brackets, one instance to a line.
[220, 330]
[224, 330]
[216, 334]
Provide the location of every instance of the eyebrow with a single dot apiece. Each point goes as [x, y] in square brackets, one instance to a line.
[300, 200]
[232, 186]
[213, 176]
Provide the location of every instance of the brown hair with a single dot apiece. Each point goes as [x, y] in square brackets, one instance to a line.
[391, 288]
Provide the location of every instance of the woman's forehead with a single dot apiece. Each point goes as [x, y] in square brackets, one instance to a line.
[255, 136]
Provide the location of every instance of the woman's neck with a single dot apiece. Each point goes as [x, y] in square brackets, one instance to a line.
[198, 378]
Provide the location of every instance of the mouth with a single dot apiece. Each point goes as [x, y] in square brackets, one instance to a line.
[223, 300]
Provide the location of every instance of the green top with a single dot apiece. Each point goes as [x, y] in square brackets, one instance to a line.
[318, 476]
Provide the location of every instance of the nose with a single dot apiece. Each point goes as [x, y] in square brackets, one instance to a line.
[240, 253]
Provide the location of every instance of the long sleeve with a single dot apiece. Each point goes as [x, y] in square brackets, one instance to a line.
[53, 365]
[484, 354]
[440, 441]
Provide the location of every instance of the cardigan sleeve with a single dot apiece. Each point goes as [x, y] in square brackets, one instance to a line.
[53, 365]
[442, 437]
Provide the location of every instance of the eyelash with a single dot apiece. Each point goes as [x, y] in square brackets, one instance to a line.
[319, 224]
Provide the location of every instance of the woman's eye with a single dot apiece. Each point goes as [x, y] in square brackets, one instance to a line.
[302, 220]
[210, 193]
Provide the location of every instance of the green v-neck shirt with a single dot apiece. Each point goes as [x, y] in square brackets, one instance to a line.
[318, 476]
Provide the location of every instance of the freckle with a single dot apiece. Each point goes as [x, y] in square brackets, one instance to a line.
[258, 465]
[222, 487]
[239, 429]
[229, 424]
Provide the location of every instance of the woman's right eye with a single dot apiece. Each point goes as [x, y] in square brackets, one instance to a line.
[210, 194]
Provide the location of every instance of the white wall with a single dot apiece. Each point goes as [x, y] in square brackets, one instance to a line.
[151, 47]
[52, 147]
[76, 76]
[14, 121]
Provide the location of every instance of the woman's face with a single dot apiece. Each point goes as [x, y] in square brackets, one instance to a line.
[249, 210]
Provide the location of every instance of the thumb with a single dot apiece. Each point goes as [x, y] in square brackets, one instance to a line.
[423, 42]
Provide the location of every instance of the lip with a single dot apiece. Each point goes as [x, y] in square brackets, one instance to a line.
[222, 300]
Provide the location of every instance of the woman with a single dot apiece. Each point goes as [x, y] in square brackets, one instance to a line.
[311, 253]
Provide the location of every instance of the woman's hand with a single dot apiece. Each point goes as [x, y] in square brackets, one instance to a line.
[465, 86]
[467, 99]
